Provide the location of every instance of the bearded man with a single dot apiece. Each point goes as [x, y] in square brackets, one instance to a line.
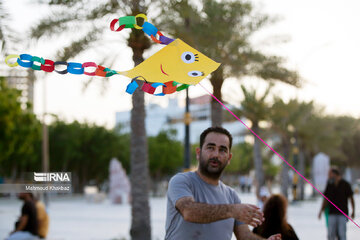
[200, 206]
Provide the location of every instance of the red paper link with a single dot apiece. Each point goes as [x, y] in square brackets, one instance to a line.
[148, 88]
[154, 37]
[112, 26]
[100, 71]
[48, 66]
[90, 64]
[169, 88]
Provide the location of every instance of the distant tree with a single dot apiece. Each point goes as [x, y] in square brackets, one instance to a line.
[255, 108]
[222, 31]
[20, 134]
[165, 154]
[86, 151]
[282, 117]
[347, 129]
[8, 36]
[242, 160]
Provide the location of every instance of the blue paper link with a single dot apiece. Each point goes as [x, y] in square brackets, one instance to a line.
[75, 68]
[131, 87]
[26, 57]
[155, 85]
[149, 29]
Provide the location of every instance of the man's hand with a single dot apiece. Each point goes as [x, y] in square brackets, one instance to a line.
[249, 214]
[319, 216]
[275, 237]
[353, 214]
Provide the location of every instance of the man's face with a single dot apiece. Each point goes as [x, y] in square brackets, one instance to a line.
[214, 155]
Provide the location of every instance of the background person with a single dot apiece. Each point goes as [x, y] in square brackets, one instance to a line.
[339, 192]
[27, 225]
[275, 209]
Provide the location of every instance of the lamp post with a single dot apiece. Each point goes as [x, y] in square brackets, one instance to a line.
[45, 142]
[187, 121]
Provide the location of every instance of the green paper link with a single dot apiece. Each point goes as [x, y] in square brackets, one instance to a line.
[182, 87]
[109, 72]
[37, 59]
[128, 21]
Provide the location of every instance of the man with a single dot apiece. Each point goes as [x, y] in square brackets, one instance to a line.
[338, 191]
[200, 206]
[27, 225]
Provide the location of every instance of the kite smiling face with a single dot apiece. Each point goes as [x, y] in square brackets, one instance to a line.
[175, 62]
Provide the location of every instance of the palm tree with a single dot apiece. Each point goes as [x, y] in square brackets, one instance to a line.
[7, 35]
[70, 15]
[222, 31]
[255, 109]
[288, 120]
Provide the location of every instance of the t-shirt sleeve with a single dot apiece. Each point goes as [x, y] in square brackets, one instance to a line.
[349, 191]
[179, 187]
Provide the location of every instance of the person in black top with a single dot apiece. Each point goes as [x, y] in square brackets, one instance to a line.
[275, 219]
[339, 192]
[27, 222]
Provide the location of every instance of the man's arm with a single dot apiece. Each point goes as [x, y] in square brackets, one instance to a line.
[22, 223]
[323, 205]
[353, 206]
[207, 213]
[242, 232]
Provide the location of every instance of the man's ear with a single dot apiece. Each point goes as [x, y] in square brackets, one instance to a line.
[198, 150]
[230, 156]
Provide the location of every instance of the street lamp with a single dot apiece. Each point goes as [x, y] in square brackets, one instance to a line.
[187, 121]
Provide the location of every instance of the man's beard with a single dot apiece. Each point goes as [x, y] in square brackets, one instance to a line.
[210, 171]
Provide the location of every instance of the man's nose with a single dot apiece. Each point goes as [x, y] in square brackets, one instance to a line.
[215, 153]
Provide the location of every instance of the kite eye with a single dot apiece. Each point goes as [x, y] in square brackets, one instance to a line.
[195, 73]
[189, 57]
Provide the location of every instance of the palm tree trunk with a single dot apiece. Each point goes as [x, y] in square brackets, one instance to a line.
[139, 175]
[258, 163]
[285, 168]
[217, 80]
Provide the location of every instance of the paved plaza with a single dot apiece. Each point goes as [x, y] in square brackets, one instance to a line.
[76, 218]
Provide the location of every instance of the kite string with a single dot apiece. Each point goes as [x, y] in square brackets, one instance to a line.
[278, 154]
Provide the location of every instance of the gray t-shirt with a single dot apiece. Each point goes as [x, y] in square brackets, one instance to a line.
[191, 185]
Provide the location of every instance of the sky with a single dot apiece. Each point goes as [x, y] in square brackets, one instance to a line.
[322, 45]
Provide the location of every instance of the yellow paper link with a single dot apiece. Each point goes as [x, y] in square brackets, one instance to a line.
[177, 62]
[140, 15]
[15, 64]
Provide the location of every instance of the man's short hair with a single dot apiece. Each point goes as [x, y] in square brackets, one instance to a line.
[335, 170]
[216, 130]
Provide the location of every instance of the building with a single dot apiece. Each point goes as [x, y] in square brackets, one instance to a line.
[22, 80]
[172, 117]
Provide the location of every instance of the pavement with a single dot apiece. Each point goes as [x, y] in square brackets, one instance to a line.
[76, 218]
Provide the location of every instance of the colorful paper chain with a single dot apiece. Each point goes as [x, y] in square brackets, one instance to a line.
[61, 67]
[148, 28]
